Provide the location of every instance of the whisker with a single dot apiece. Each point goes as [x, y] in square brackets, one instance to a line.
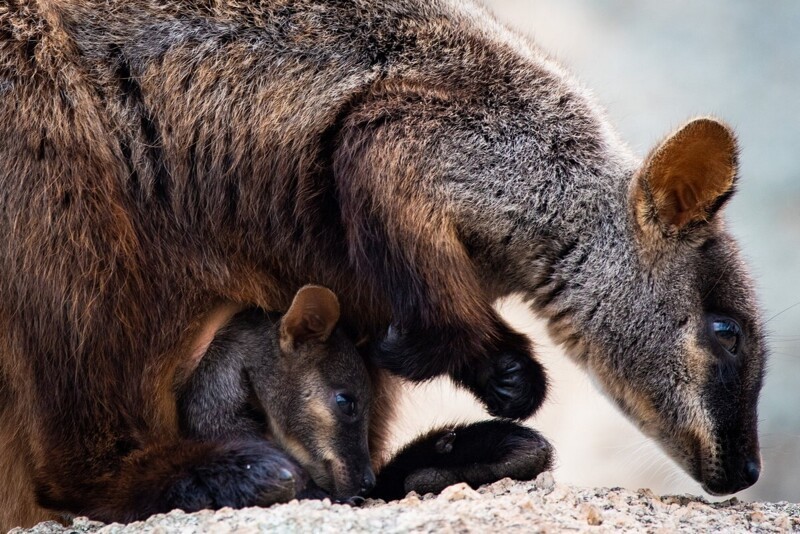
[722, 274]
[783, 311]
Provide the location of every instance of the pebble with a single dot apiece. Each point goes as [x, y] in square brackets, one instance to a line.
[545, 481]
[411, 500]
[757, 517]
[784, 524]
[458, 492]
[591, 514]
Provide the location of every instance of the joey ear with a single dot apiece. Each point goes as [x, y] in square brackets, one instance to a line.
[313, 315]
[688, 177]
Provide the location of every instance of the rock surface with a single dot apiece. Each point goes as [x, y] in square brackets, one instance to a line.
[505, 506]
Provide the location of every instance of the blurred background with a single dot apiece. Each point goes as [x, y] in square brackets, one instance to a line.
[654, 64]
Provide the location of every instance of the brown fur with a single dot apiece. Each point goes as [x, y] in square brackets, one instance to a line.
[687, 174]
[159, 158]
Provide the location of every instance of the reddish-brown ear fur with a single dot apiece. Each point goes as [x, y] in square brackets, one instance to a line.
[313, 315]
[683, 180]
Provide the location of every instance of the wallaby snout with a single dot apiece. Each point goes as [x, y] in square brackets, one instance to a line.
[348, 479]
[739, 476]
[732, 468]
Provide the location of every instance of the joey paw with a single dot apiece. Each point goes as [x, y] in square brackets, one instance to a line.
[258, 476]
[251, 473]
[356, 501]
[280, 488]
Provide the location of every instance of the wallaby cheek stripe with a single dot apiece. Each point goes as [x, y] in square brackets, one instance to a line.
[697, 358]
[325, 422]
[291, 444]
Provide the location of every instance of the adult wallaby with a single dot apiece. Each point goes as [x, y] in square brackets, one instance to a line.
[416, 157]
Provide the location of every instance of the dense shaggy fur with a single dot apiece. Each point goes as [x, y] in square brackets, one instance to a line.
[160, 158]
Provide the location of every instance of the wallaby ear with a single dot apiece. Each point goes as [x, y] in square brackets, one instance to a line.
[689, 176]
[313, 315]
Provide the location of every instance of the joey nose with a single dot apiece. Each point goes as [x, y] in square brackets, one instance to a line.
[367, 482]
[751, 472]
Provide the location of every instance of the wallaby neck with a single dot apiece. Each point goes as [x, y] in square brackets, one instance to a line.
[546, 214]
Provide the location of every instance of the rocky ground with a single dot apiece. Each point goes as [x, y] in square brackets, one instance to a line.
[506, 506]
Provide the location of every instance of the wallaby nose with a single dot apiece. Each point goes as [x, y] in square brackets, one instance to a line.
[752, 470]
[368, 481]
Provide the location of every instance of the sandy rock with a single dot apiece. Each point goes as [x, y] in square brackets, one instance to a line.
[506, 506]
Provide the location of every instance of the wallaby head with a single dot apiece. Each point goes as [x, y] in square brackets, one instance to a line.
[672, 331]
[317, 395]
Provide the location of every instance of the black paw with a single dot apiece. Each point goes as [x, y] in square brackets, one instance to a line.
[504, 376]
[515, 385]
[413, 355]
[487, 452]
[522, 455]
[356, 501]
[430, 480]
[444, 445]
[238, 475]
[477, 453]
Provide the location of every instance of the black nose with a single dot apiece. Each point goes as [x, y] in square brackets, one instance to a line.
[368, 481]
[752, 470]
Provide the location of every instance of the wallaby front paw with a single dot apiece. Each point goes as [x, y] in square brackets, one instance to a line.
[515, 385]
[431, 480]
[281, 486]
[483, 453]
[409, 354]
[525, 454]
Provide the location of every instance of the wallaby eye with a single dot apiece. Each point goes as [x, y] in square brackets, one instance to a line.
[346, 404]
[728, 334]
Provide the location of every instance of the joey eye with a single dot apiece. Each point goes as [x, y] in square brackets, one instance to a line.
[346, 404]
[728, 334]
